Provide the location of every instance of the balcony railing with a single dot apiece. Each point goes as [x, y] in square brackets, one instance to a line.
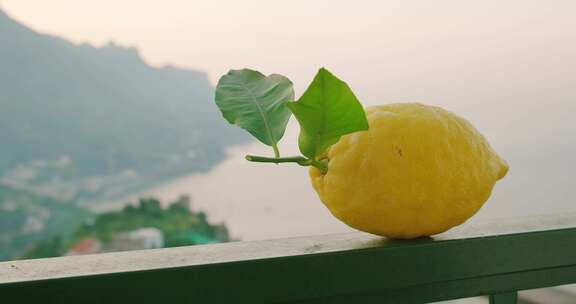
[496, 260]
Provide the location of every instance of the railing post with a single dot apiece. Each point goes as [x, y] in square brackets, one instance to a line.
[504, 298]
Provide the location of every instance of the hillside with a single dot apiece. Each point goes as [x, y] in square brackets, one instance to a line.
[27, 218]
[79, 122]
[177, 225]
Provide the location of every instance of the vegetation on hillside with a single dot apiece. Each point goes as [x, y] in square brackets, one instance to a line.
[179, 225]
[26, 218]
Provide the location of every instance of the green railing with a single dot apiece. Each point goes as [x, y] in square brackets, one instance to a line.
[495, 259]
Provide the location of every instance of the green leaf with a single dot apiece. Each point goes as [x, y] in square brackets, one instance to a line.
[256, 103]
[326, 111]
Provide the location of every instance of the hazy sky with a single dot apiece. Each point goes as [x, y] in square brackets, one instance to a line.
[507, 66]
[479, 58]
[359, 39]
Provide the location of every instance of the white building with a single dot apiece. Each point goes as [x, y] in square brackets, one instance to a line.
[143, 238]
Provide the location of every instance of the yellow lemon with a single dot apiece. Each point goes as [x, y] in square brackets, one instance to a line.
[419, 170]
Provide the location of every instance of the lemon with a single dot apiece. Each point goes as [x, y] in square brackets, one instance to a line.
[418, 171]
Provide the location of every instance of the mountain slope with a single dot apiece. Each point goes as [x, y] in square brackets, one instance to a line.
[26, 218]
[78, 121]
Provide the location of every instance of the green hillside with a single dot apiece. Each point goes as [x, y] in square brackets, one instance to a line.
[178, 225]
[27, 218]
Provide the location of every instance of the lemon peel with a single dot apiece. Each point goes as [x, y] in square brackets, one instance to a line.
[418, 171]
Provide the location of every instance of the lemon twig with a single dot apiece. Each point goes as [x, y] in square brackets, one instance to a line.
[302, 161]
[276, 151]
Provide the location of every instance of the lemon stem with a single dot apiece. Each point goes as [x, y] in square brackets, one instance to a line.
[276, 151]
[302, 161]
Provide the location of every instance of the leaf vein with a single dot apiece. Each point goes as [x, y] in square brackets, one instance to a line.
[260, 111]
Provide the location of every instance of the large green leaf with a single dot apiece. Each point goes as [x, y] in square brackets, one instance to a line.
[326, 111]
[256, 103]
